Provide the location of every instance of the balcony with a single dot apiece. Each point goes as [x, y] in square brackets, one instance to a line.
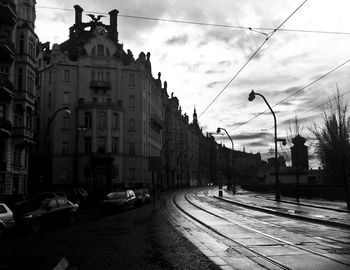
[156, 122]
[22, 132]
[100, 85]
[8, 12]
[5, 127]
[6, 89]
[7, 50]
[25, 95]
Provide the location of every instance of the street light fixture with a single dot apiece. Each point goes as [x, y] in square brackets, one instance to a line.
[251, 97]
[231, 158]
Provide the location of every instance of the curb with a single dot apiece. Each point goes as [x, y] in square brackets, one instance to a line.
[289, 215]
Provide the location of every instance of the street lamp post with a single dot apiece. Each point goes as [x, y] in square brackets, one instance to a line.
[231, 158]
[47, 130]
[251, 98]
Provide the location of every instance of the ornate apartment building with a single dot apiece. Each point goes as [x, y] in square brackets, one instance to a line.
[18, 51]
[101, 110]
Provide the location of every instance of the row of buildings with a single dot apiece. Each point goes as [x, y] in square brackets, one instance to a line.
[88, 113]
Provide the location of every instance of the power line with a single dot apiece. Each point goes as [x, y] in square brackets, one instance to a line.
[252, 56]
[312, 109]
[254, 29]
[296, 92]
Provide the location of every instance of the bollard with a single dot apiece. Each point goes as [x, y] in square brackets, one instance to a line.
[220, 190]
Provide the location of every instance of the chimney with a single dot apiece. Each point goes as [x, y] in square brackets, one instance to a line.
[78, 14]
[113, 23]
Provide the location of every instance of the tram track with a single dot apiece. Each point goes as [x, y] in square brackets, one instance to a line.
[300, 232]
[272, 262]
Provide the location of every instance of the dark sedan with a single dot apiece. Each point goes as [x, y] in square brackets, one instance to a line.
[46, 212]
[121, 200]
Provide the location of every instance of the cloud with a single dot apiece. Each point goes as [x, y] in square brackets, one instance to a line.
[214, 71]
[177, 40]
[252, 136]
[214, 84]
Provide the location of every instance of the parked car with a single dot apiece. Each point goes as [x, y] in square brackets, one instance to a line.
[142, 196]
[79, 196]
[121, 200]
[37, 214]
[6, 218]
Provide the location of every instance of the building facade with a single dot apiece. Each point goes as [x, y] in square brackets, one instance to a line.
[110, 110]
[18, 52]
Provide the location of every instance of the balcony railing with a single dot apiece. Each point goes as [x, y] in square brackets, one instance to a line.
[156, 121]
[5, 126]
[8, 12]
[7, 50]
[6, 88]
[100, 85]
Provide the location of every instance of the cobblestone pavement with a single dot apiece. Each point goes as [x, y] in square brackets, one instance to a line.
[137, 239]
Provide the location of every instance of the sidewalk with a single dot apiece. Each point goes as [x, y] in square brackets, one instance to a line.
[318, 211]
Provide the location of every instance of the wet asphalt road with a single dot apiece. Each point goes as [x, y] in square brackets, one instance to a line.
[137, 239]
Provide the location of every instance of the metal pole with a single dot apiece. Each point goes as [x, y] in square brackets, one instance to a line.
[277, 191]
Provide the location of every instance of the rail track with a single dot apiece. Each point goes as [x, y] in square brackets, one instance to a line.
[194, 206]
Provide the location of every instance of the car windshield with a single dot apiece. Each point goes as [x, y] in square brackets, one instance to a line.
[116, 195]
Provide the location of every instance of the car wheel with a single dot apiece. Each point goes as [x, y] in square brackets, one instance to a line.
[72, 218]
[36, 226]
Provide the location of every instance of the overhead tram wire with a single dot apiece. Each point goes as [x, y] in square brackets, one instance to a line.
[296, 92]
[254, 29]
[252, 56]
[312, 109]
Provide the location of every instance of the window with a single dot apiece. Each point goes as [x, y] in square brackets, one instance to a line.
[30, 82]
[29, 121]
[49, 100]
[132, 173]
[102, 120]
[132, 148]
[20, 79]
[100, 76]
[132, 79]
[4, 72]
[107, 52]
[17, 157]
[115, 145]
[132, 125]
[50, 76]
[93, 78]
[100, 50]
[62, 203]
[66, 75]
[66, 121]
[115, 121]
[2, 111]
[93, 51]
[65, 98]
[31, 47]
[21, 44]
[87, 119]
[108, 76]
[101, 145]
[64, 147]
[132, 101]
[52, 204]
[87, 145]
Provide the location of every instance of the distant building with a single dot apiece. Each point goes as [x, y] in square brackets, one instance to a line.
[18, 51]
[300, 157]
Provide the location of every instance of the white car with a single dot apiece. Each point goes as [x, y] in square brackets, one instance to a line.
[6, 218]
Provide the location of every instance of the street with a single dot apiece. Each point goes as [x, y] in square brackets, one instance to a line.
[190, 229]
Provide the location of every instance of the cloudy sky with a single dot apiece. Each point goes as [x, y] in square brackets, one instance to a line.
[198, 60]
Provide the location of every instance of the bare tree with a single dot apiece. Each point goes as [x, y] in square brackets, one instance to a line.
[333, 141]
